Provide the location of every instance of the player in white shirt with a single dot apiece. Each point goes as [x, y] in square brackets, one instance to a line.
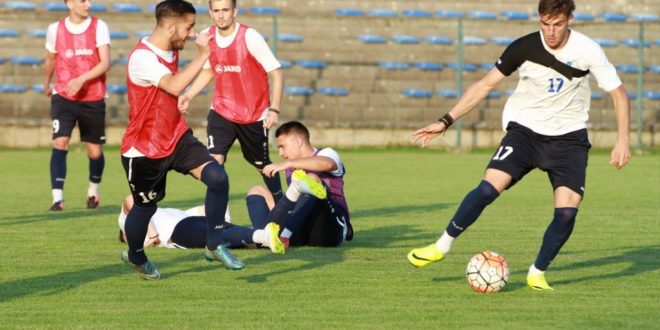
[545, 119]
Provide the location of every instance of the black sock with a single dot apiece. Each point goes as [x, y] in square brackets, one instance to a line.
[237, 236]
[471, 207]
[57, 168]
[274, 185]
[281, 212]
[96, 169]
[135, 228]
[257, 211]
[217, 197]
[556, 235]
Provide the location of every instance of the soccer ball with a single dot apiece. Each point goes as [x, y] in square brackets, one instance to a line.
[487, 272]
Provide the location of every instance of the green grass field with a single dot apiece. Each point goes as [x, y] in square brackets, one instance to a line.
[62, 270]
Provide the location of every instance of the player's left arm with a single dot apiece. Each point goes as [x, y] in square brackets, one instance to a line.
[258, 48]
[620, 155]
[314, 163]
[272, 117]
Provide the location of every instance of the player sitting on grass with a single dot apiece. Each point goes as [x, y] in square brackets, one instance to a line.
[313, 211]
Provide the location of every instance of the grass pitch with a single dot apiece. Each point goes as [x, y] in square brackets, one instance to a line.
[62, 270]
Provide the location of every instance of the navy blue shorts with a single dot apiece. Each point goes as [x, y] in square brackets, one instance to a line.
[253, 139]
[90, 117]
[147, 177]
[563, 157]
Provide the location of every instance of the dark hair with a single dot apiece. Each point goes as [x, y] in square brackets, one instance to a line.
[121, 236]
[173, 8]
[556, 7]
[294, 127]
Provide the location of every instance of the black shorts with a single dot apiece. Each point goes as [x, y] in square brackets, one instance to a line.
[253, 139]
[90, 116]
[147, 177]
[563, 157]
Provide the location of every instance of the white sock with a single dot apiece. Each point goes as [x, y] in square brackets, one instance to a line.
[535, 271]
[286, 233]
[259, 236]
[58, 195]
[444, 243]
[293, 192]
[227, 215]
[93, 189]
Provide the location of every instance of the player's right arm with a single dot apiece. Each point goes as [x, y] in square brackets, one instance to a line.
[175, 84]
[49, 69]
[472, 96]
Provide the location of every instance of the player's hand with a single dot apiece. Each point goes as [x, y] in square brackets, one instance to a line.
[183, 103]
[428, 133]
[272, 118]
[74, 86]
[620, 155]
[271, 169]
[47, 90]
[202, 43]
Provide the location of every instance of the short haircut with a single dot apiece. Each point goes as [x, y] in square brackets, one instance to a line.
[293, 127]
[556, 7]
[173, 8]
[233, 3]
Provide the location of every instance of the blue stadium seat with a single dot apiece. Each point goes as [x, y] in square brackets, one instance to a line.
[55, 6]
[20, 6]
[614, 17]
[98, 8]
[117, 89]
[126, 8]
[466, 66]
[508, 92]
[37, 33]
[584, 17]
[151, 8]
[26, 60]
[8, 33]
[285, 64]
[2, 60]
[122, 60]
[514, 15]
[606, 42]
[312, 64]
[298, 90]
[349, 12]
[634, 43]
[382, 12]
[143, 34]
[118, 35]
[479, 14]
[447, 93]
[596, 95]
[391, 65]
[12, 88]
[501, 41]
[183, 62]
[644, 17]
[656, 42]
[654, 68]
[416, 13]
[493, 95]
[486, 66]
[265, 10]
[652, 95]
[627, 68]
[429, 66]
[332, 91]
[39, 88]
[371, 39]
[449, 14]
[405, 39]
[632, 95]
[288, 37]
[417, 93]
[477, 41]
[439, 40]
[201, 9]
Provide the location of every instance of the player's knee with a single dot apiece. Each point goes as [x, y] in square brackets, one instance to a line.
[215, 177]
[95, 154]
[486, 192]
[258, 191]
[565, 217]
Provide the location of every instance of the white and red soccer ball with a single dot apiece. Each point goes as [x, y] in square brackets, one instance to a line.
[487, 272]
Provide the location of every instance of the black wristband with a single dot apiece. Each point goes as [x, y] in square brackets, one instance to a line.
[447, 120]
[274, 110]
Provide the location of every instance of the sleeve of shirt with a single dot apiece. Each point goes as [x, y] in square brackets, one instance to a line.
[144, 68]
[512, 58]
[51, 37]
[332, 154]
[258, 47]
[603, 70]
[102, 34]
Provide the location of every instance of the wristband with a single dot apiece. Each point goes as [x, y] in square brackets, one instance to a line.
[447, 120]
[274, 110]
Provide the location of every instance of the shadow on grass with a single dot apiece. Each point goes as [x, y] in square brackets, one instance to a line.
[639, 260]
